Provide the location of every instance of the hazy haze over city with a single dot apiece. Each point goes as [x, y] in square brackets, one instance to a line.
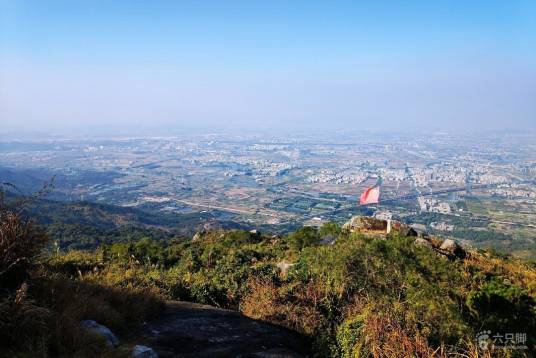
[278, 114]
[149, 67]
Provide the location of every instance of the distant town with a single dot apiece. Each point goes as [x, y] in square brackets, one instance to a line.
[471, 187]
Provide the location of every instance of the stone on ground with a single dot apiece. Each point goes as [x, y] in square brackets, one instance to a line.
[140, 351]
[101, 330]
[452, 248]
[422, 242]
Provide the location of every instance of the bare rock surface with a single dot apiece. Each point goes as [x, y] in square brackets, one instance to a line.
[102, 331]
[423, 242]
[193, 330]
[140, 351]
[365, 224]
[372, 225]
[452, 248]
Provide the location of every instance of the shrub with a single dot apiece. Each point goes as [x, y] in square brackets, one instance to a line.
[304, 237]
[349, 337]
[501, 306]
[41, 305]
[20, 243]
[330, 229]
[23, 324]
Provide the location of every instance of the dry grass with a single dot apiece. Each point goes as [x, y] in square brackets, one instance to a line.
[518, 271]
[261, 302]
[384, 337]
[45, 321]
[23, 324]
[40, 311]
[20, 242]
[296, 307]
[117, 308]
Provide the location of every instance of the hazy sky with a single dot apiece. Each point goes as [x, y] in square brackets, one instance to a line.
[130, 65]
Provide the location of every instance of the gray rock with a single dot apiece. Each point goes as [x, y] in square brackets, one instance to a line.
[422, 242]
[101, 330]
[448, 245]
[420, 228]
[371, 225]
[408, 231]
[276, 353]
[140, 351]
[452, 248]
[327, 240]
[365, 224]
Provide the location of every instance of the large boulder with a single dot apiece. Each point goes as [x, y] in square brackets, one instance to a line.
[372, 225]
[140, 351]
[452, 248]
[102, 331]
[406, 230]
[402, 229]
[423, 242]
[365, 224]
[435, 241]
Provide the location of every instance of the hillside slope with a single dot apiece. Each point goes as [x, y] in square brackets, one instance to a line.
[86, 225]
[356, 296]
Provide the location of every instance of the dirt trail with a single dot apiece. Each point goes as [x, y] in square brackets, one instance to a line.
[193, 330]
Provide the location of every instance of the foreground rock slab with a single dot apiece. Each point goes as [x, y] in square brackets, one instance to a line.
[140, 351]
[193, 330]
[101, 330]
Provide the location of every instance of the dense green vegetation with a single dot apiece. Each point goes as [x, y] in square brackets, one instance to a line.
[357, 296]
[480, 234]
[41, 308]
[85, 225]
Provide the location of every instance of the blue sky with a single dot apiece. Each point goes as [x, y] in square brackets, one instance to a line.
[115, 65]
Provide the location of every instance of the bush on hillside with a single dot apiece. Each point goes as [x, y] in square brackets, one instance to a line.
[42, 301]
[20, 243]
[503, 307]
[304, 237]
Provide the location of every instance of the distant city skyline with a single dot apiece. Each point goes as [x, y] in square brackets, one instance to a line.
[155, 67]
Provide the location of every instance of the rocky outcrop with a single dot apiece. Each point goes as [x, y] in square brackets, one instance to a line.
[405, 230]
[102, 331]
[423, 242]
[384, 228]
[371, 225]
[365, 224]
[140, 351]
[191, 330]
[447, 248]
[452, 249]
